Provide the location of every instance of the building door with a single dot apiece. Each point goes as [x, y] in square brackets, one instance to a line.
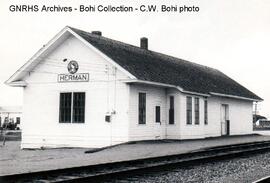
[224, 119]
[159, 122]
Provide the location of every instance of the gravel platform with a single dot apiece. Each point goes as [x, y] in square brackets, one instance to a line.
[14, 160]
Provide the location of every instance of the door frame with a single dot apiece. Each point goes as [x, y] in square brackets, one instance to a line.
[224, 123]
[159, 125]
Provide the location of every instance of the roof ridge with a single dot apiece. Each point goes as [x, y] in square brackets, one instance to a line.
[105, 38]
[126, 45]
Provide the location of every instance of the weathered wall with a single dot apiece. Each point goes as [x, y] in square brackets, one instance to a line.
[240, 116]
[151, 130]
[104, 92]
[191, 131]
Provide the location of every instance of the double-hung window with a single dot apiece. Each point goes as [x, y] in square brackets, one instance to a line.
[197, 111]
[171, 110]
[142, 108]
[72, 107]
[205, 112]
[189, 110]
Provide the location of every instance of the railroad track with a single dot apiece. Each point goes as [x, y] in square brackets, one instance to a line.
[101, 172]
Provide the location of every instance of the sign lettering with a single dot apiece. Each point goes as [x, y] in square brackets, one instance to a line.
[80, 77]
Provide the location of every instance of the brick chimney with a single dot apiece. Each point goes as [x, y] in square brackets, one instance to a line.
[144, 43]
[99, 33]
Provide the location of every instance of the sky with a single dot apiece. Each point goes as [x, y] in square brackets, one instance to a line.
[231, 36]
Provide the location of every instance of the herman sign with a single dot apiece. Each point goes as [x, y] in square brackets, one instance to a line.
[80, 77]
[72, 68]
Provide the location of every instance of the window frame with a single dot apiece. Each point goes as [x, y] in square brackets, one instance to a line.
[80, 108]
[72, 119]
[171, 110]
[196, 110]
[142, 107]
[158, 114]
[188, 110]
[63, 108]
[205, 112]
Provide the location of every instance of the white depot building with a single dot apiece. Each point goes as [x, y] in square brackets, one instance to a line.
[85, 90]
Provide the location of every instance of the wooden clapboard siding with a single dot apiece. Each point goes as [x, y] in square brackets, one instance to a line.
[41, 101]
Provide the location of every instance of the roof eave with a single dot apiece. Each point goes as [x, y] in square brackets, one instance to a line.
[236, 97]
[150, 83]
[16, 83]
[165, 85]
[14, 77]
[195, 93]
[191, 92]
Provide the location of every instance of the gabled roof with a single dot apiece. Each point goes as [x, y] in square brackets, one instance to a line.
[151, 66]
[148, 66]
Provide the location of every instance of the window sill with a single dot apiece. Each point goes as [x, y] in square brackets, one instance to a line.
[141, 124]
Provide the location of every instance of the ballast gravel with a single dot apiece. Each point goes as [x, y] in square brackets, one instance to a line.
[238, 170]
